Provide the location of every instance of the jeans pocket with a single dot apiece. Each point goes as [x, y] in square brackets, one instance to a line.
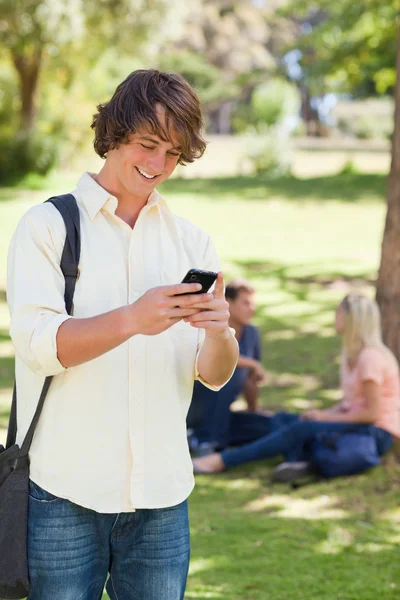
[40, 495]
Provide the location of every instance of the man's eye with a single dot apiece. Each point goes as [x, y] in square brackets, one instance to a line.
[174, 153]
[147, 147]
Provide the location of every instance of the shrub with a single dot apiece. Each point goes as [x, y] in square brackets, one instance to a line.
[270, 152]
[21, 154]
[366, 129]
[349, 168]
[271, 103]
[365, 119]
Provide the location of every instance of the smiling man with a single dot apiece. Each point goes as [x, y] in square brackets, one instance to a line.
[110, 467]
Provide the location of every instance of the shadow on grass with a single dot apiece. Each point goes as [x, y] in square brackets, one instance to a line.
[326, 528]
[299, 353]
[345, 188]
[331, 280]
[300, 367]
[252, 540]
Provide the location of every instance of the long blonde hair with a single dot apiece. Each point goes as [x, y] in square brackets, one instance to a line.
[362, 326]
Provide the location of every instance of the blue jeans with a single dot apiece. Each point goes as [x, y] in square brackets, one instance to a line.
[214, 417]
[217, 424]
[286, 438]
[246, 427]
[71, 551]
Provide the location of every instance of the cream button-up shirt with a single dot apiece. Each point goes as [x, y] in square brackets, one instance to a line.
[112, 434]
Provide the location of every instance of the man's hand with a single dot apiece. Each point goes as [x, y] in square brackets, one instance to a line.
[213, 316]
[258, 372]
[161, 307]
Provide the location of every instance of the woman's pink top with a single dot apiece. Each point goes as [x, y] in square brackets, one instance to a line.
[380, 366]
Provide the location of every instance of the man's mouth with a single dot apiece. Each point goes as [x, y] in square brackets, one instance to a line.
[145, 175]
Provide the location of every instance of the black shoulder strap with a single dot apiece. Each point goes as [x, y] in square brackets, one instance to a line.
[69, 210]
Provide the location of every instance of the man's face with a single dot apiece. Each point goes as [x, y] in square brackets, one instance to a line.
[146, 161]
[242, 309]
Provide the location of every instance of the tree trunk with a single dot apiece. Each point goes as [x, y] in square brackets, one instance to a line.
[28, 69]
[309, 114]
[388, 285]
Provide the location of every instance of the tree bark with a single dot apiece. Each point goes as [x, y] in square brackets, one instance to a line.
[388, 285]
[309, 114]
[28, 69]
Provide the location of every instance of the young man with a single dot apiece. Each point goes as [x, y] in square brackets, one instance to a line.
[110, 467]
[210, 418]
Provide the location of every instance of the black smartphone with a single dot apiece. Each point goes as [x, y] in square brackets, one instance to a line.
[206, 278]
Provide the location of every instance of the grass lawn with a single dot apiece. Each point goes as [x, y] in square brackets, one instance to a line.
[304, 243]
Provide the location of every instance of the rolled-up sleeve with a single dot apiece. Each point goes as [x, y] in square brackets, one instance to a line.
[35, 288]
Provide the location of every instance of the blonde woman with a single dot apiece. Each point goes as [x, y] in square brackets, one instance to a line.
[370, 383]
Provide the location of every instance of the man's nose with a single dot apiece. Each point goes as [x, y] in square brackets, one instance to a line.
[157, 162]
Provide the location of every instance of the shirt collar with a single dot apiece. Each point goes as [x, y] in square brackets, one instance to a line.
[154, 199]
[95, 197]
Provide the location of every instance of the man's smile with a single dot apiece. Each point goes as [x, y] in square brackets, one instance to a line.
[145, 175]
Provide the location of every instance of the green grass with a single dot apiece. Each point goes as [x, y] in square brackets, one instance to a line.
[304, 244]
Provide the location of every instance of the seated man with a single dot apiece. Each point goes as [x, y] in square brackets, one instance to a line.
[210, 420]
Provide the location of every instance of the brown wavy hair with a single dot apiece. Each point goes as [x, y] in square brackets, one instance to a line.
[133, 107]
[236, 286]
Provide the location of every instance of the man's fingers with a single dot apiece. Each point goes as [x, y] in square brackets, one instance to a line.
[219, 290]
[180, 313]
[206, 324]
[191, 300]
[207, 315]
[181, 288]
[207, 305]
[173, 321]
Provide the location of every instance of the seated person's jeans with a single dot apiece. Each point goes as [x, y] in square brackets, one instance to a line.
[282, 438]
[209, 414]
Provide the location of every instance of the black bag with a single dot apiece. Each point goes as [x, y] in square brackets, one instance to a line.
[14, 461]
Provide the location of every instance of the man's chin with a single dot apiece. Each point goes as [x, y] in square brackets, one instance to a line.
[245, 322]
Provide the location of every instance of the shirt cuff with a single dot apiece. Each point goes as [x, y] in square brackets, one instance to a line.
[46, 346]
[197, 376]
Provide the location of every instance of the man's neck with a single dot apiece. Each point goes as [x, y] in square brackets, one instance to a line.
[129, 205]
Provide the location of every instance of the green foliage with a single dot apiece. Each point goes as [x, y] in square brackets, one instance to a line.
[53, 24]
[30, 24]
[21, 154]
[65, 39]
[350, 46]
[8, 94]
[55, 49]
[204, 76]
[274, 100]
[270, 103]
[349, 168]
